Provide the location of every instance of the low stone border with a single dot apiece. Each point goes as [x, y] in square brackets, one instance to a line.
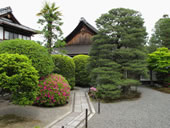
[90, 115]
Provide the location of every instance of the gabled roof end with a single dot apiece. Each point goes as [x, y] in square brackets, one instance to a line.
[82, 19]
[5, 10]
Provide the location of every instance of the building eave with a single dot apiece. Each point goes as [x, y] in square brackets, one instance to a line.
[78, 27]
[18, 26]
[8, 11]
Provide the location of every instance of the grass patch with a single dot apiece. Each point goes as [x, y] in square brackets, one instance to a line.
[132, 95]
[13, 121]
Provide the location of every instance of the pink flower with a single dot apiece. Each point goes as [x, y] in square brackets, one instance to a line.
[37, 98]
[64, 93]
[93, 89]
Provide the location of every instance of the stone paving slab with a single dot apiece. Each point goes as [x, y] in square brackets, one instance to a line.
[77, 116]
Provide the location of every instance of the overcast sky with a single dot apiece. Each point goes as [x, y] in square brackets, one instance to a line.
[25, 10]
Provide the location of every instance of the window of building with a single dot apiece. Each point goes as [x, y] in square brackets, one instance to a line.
[28, 38]
[1, 33]
[11, 35]
[6, 35]
[24, 37]
[15, 35]
[20, 36]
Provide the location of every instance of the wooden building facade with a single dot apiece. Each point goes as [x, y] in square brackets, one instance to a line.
[80, 39]
[11, 28]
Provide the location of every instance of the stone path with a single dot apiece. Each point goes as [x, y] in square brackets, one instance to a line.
[76, 118]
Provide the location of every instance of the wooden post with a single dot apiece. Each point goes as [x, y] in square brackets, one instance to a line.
[86, 120]
[98, 106]
[151, 80]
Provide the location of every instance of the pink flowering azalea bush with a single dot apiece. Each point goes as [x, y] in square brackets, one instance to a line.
[53, 90]
[93, 92]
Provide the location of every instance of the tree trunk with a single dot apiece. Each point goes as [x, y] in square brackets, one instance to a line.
[49, 41]
[125, 89]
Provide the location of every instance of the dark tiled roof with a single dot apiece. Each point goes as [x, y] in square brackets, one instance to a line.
[3, 22]
[75, 49]
[79, 26]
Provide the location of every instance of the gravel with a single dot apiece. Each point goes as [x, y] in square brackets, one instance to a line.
[152, 110]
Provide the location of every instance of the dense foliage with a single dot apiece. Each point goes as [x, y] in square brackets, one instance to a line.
[51, 22]
[159, 61]
[65, 66]
[41, 60]
[160, 37]
[108, 92]
[53, 90]
[81, 72]
[104, 71]
[19, 77]
[118, 50]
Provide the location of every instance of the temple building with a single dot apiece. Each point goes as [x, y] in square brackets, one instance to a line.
[80, 39]
[11, 28]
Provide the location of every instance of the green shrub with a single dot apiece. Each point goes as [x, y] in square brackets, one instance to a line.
[108, 92]
[41, 60]
[54, 90]
[65, 66]
[129, 82]
[81, 73]
[18, 76]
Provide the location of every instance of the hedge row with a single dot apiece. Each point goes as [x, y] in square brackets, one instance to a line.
[82, 74]
[65, 66]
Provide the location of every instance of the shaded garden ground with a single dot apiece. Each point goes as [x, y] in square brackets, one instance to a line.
[14, 116]
[13, 121]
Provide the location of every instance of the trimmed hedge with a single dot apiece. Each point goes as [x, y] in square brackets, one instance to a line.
[41, 59]
[18, 76]
[65, 66]
[81, 73]
[54, 90]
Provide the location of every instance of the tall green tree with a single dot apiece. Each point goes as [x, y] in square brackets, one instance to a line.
[125, 29]
[51, 22]
[121, 38]
[161, 35]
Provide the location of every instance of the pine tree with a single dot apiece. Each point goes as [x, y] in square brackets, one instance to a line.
[118, 52]
[104, 71]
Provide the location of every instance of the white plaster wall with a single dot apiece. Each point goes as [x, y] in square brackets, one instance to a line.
[1, 32]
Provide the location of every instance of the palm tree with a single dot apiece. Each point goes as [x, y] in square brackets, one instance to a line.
[51, 21]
